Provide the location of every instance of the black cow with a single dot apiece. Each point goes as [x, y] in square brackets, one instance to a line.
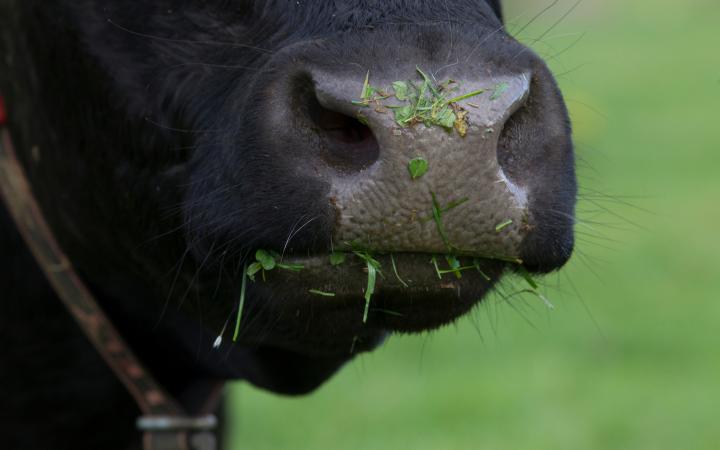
[168, 141]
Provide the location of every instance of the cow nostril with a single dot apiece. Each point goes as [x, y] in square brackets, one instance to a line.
[345, 142]
[510, 136]
[341, 128]
[516, 135]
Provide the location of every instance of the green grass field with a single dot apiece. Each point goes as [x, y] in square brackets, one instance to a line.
[633, 361]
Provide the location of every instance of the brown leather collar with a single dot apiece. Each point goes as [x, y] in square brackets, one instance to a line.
[165, 425]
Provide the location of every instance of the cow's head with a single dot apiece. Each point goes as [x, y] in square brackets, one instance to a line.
[290, 127]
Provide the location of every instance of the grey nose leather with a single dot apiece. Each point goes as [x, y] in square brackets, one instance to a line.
[385, 210]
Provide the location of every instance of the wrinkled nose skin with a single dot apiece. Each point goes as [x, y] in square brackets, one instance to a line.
[506, 189]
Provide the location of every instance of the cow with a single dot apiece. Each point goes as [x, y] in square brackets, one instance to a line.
[348, 169]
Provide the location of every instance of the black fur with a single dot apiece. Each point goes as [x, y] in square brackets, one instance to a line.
[141, 127]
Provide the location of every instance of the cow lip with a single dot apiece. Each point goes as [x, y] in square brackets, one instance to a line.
[397, 271]
[409, 295]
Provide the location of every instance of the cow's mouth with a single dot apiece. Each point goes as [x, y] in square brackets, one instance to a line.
[410, 292]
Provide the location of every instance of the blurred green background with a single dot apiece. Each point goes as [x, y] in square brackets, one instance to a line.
[630, 356]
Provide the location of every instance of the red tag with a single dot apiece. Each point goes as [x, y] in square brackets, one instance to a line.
[3, 113]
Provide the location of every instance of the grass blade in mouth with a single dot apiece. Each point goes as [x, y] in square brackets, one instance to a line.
[370, 290]
[437, 269]
[392, 260]
[267, 260]
[454, 264]
[476, 264]
[291, 267]
[528, 278]
[373, 267]
[534, 287]
[322, 293]
[241, 302]
[389, 312]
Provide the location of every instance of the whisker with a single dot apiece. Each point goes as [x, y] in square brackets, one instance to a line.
[585, 306]
[179, 130]
[567, 72]
[558, 22]
[196, 275]
[179, 266]
[188, 41]
[294, 233]
[536, 17]
[566, 49]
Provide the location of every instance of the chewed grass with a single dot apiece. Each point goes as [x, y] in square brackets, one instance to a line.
[240, 307]
[429, 102]
[444, 265]
[321, 293]
[373, 269]
[534, 288]
[395, 271]
[267, 260]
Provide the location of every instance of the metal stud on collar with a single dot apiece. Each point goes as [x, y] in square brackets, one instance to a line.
[178, 433]
[176, 423]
